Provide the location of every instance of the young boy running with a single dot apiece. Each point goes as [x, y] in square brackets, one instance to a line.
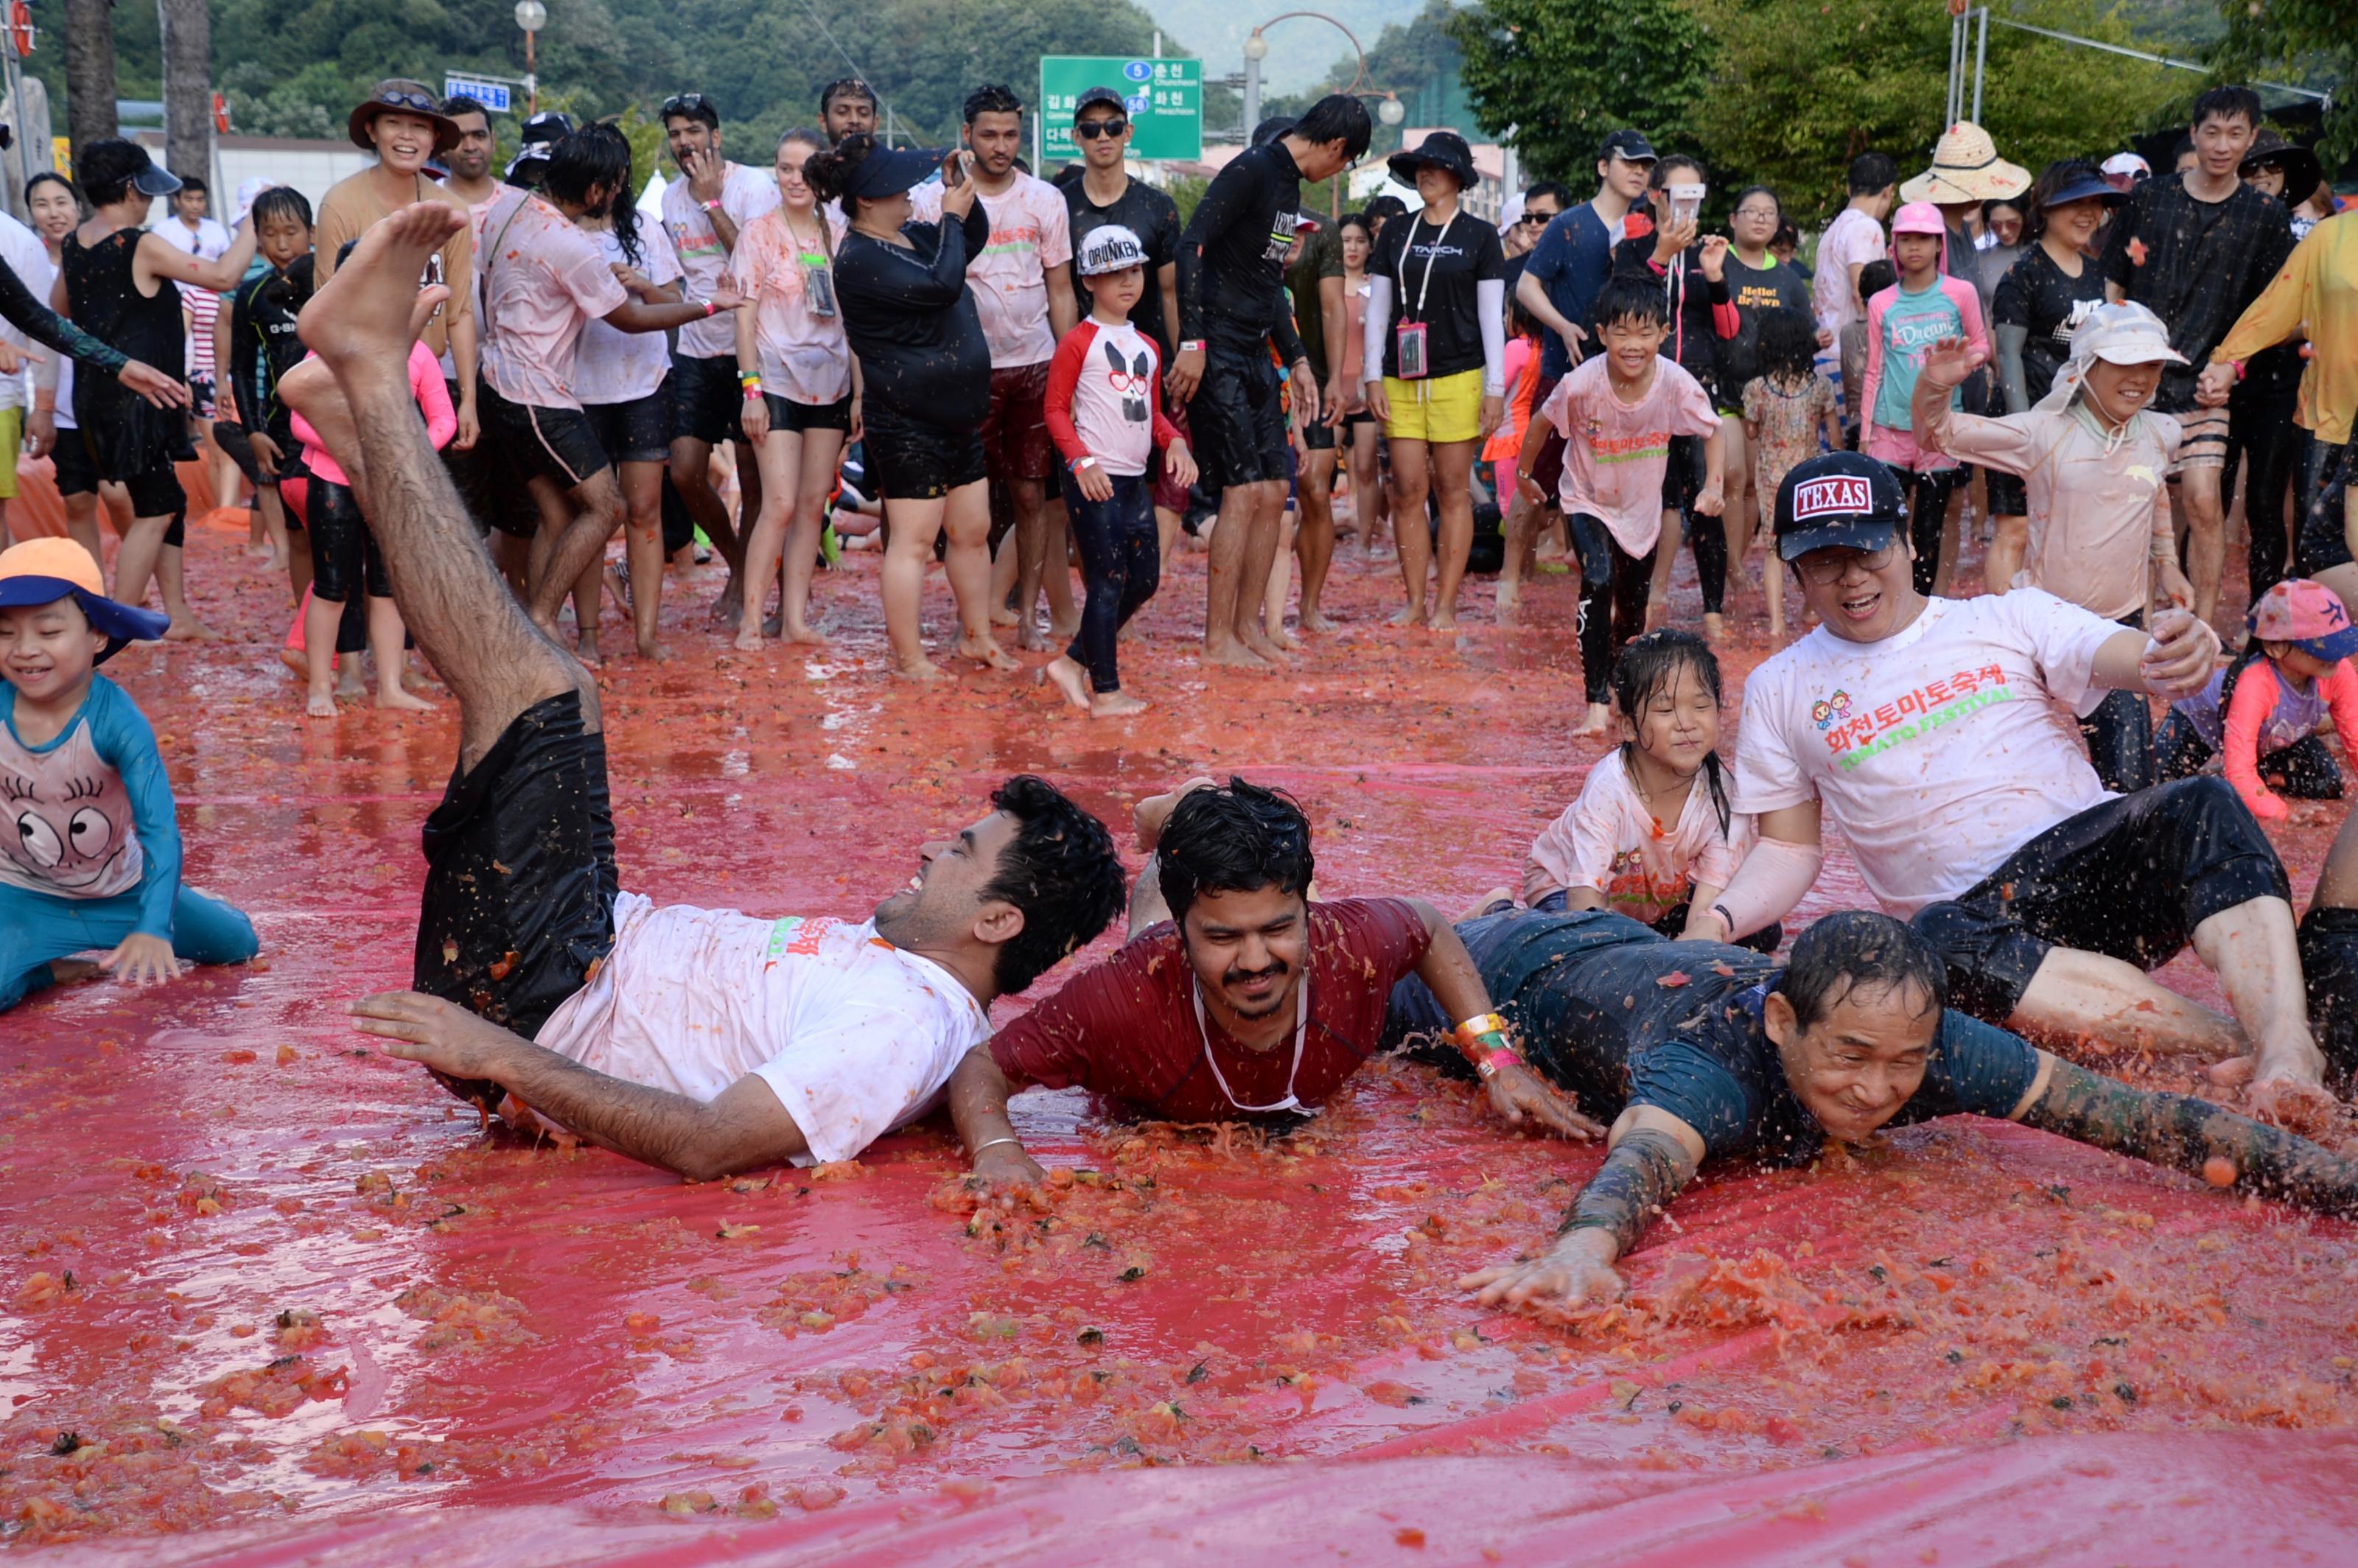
[1105, 414]
[1616, 412]
[91, 857]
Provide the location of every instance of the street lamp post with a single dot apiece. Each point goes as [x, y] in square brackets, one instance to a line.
[531, 16]
[1257, 50]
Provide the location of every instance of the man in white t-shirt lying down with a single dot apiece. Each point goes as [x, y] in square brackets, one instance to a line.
[702, 1041]
[1941, 736]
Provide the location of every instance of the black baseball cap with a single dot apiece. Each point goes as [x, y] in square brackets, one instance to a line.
[1841, 500]
[1096, 96]
[1630, 146]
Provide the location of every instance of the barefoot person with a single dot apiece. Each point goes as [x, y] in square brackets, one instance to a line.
[924, 380]
[1278, 1000]
[1105, 413]
[543, 281]
[89, 852]
[800, 385]
[1720, 1053]
[700, 1041]
[1939, 736]
[1232, 307]
[113, 279]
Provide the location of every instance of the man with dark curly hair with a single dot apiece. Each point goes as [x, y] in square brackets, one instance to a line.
[701, 1041]
[1239, 998]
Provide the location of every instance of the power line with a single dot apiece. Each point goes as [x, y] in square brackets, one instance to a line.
[820, 23]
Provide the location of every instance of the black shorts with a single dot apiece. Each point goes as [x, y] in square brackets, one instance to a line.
[344, 557]
[637, 431]
[2328, 965]
[704, 399]
[1318, 435]
[1547, 471]
[2324, 538]
[555, 443]
[795, 418]
[908, 459]
[520, 883]
[1236, 419]
[76, 470]
[2130, 878]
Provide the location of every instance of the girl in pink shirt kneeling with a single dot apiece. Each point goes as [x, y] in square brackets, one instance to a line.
[1652, 836]
[2260, 714]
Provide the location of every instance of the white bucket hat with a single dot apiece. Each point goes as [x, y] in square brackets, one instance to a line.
[2123, 334]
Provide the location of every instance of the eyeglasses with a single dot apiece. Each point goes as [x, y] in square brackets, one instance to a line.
[682, 103]
[1823, 567]
[1770, 213]
[1096, 130]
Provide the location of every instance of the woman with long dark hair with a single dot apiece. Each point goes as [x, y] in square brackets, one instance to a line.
[925, 379]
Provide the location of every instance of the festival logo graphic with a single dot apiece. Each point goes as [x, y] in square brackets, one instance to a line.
[1827, 709]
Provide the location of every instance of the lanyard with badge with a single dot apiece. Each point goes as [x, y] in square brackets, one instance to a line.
[1409, 337]
[1301, 1031]
[818, 281]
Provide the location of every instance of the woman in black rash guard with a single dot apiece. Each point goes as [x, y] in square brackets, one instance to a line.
[925, 379]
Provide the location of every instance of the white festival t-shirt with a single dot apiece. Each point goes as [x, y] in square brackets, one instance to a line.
[1030, 231]
[745, 195]
[1607, 841]
[855, 1036]
[611, 366]
[543, 280]
[1938, 751]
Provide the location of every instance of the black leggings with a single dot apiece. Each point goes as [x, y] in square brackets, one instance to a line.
[344, 557]
[1613, 591]
[1682, 480]
[1928, 511]
[1122, 565]
[2302, 771]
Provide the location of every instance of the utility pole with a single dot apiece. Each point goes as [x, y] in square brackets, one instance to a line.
[90, 73]
[188, 88]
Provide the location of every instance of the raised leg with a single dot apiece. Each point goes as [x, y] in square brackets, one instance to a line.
[356, 394]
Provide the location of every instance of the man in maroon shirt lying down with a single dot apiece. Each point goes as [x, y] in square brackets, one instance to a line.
[1237, 998]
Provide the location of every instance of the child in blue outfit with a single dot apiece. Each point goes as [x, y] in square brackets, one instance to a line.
[90, 851]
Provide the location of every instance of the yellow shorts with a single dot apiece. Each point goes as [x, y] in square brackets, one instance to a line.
[1438, 409]
[11, 439]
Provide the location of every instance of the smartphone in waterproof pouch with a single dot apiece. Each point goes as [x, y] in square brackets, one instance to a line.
[819, 290]
[1686, 200]
[1408, 347]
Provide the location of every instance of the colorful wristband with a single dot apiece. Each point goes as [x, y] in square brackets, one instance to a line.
[1490, 1062]
[1468, 1034]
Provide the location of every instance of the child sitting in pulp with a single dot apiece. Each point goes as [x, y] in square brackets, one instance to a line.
[1652, 836]
[91, 855]
[1785, 408]
[2260, 714]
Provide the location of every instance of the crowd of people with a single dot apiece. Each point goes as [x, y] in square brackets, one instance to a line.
[450, 392]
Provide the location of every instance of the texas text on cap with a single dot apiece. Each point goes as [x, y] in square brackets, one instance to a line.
[1841, 500]
[42, 571]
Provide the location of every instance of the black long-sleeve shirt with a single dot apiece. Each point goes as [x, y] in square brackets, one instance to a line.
[43, 325]
[1232, 257]
[913, 323]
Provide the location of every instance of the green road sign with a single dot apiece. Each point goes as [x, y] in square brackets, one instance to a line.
[1165, 97]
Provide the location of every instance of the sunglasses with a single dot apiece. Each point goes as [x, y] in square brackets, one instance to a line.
[1096, 130]
[1533, 219]
[681, 103]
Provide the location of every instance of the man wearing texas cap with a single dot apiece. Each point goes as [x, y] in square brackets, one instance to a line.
[1941, 737]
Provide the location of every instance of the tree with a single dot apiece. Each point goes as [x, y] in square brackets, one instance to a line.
[90, 71]
[187, 42]
[1806, 85]
[1559, 74]
[2310, 42]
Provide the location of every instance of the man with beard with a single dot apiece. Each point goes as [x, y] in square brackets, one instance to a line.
[701, 1041]
[1238, 997]
[470, 161]
[847, 107]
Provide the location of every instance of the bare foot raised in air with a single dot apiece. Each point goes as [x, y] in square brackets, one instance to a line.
[1599, 720]
[1069, 678]
[360, 323]
[1116, 705]
[987, 651]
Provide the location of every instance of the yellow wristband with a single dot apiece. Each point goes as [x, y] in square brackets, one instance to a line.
[1473, 1028]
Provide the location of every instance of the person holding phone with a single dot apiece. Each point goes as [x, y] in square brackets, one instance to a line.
[1672, 252]
[925, 369]
[1435, 360]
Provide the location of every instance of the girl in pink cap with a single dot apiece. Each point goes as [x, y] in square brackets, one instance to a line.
[1923, 309]
[2260, 715]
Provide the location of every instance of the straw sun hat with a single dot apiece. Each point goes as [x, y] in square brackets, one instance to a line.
[1966, 168]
